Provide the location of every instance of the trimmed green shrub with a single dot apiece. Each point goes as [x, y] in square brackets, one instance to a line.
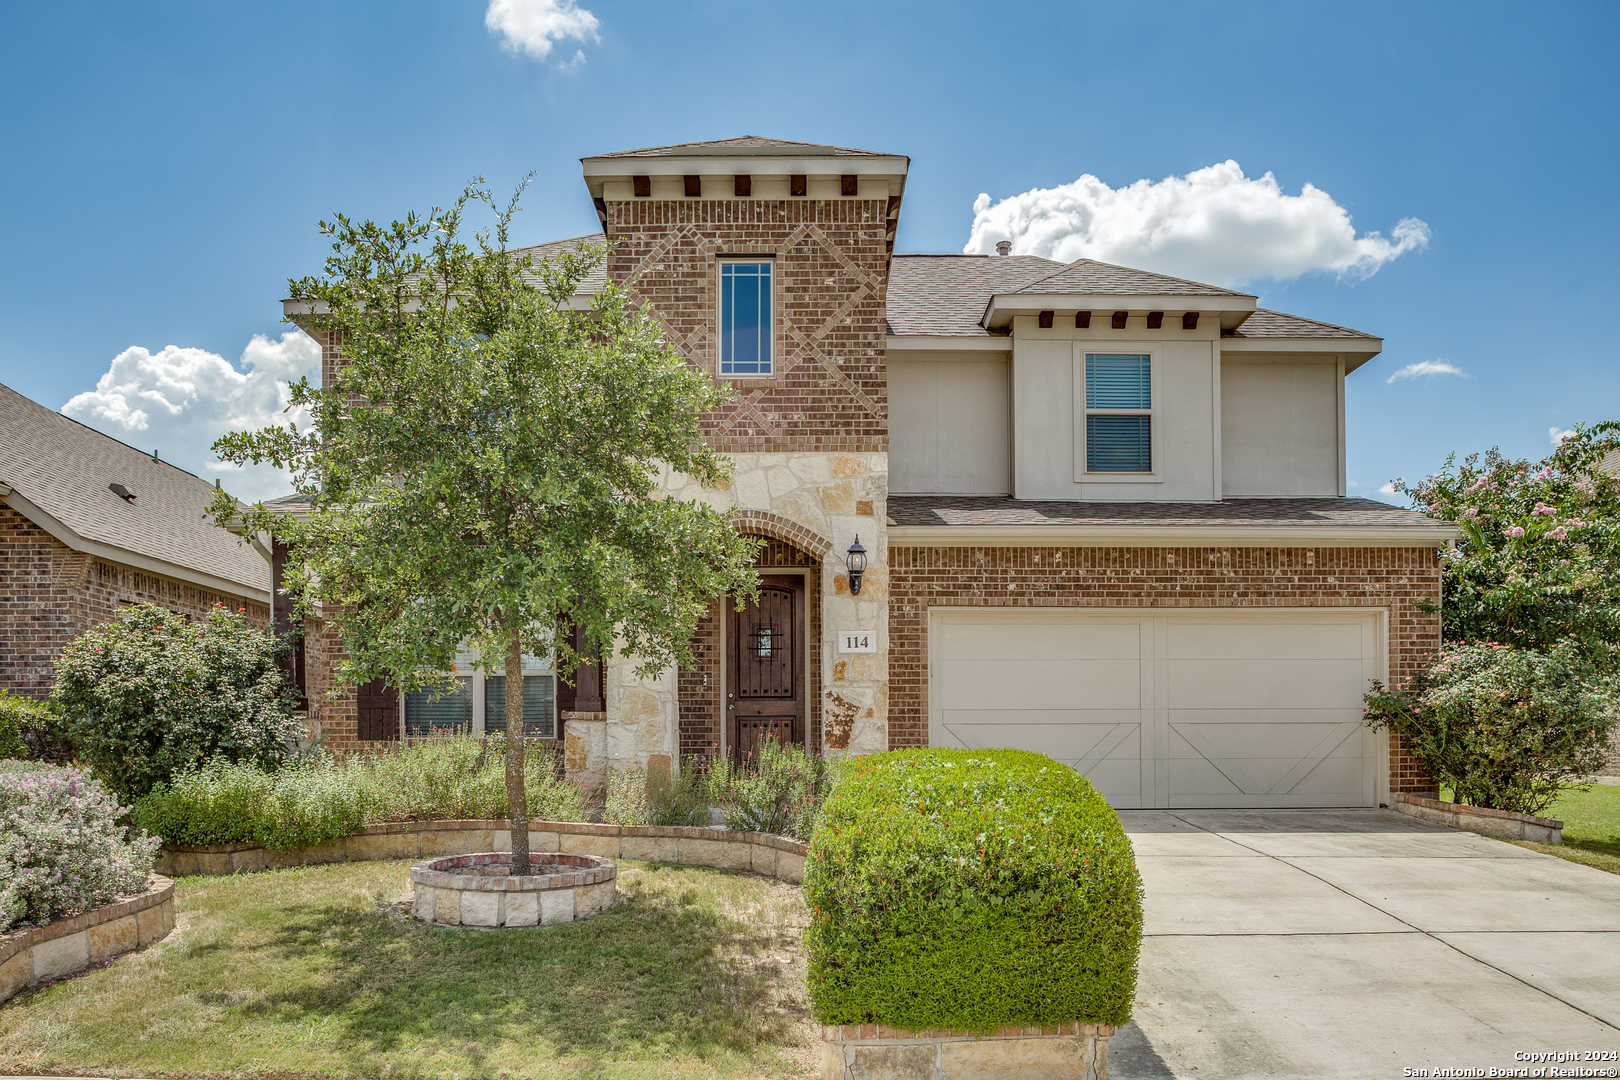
[1503, 727]
[320, 800]
[970, 890]
[150, 695]
[31, 730]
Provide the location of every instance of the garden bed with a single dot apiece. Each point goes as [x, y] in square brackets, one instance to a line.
[1501, 824]
[322, 971]
[69, 945]
[772, 856]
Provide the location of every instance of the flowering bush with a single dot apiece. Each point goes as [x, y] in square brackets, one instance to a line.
[779, 789]
[149, 695]
[1504, 727]
[1539, 562]
[62, 851]
[319, 800]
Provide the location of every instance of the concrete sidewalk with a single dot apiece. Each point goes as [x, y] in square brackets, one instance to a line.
[1359, 944]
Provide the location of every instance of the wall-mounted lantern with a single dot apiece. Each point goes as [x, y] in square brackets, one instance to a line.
[855, 562]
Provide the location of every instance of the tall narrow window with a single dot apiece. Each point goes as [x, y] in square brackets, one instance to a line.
[745, 319]
[1119, 412]
[539, 705]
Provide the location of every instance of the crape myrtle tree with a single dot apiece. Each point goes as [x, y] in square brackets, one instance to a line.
[484, 466]
[1539, 561]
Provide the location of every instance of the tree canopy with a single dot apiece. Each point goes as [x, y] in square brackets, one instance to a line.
[485, 464]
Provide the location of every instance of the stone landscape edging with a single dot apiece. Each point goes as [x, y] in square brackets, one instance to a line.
[1500, 824]
[60, 948]
[1074, 1051]
[761, 853]
[451, 892]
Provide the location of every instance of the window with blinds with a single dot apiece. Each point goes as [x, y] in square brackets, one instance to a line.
[439, 712]
[539, 705]
[1119, 412]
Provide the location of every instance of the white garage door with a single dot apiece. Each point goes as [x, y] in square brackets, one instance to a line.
[1220, 708]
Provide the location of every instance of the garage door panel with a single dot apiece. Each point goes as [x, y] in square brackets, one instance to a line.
[1254, 639]
[1042, 684]
[1265, 684]
[1041, 639]
[1257, 710]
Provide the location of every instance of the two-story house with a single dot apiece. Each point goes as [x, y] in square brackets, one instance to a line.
[1103, 511]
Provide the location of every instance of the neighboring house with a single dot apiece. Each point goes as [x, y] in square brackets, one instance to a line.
[1104, 510]
[87, 525]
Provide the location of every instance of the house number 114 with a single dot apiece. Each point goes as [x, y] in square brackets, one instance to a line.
[857, 641]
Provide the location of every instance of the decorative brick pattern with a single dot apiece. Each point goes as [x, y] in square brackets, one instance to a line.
[830, 388]
[1399, 579]
[50, 594]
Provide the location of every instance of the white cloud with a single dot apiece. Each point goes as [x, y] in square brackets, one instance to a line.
[1214, 225]
[1426, 369]
[533, 26]
[1558, 435]
[1388, 489]
[180, 400]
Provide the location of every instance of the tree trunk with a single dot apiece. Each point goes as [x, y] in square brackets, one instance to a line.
[517, 799]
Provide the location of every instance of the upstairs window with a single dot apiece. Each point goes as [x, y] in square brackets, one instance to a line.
[745, 319]
[1119, 412]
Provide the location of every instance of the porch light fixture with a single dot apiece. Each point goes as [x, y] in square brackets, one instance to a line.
[855, 562]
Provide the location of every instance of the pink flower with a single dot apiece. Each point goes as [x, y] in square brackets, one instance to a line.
[1517, 532]
[1558, 533]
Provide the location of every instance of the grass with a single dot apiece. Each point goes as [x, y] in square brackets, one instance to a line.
[1591, 827]
[320, 971]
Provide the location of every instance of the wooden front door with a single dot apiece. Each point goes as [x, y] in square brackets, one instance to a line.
[765, 667]
[379, 711]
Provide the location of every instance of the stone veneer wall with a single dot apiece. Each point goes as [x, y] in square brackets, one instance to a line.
[923, 577]
[773, 856]
[60, 948]
[50, 594]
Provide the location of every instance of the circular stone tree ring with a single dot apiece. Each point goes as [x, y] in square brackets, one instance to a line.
[479, 890]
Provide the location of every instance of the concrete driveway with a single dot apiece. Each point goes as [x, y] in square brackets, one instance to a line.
[1361, 943]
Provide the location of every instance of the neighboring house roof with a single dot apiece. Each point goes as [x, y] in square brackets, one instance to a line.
[1088, 277]
[1610, 462]
[744, 145]
[598, 275]
[55, 471]
[981, 518]
[1265, 323]
[944, 295]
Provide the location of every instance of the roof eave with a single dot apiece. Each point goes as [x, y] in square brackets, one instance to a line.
[1355, 350]
[1372, 536]
[1001, 307]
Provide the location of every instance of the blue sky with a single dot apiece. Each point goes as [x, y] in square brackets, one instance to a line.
[163, 166]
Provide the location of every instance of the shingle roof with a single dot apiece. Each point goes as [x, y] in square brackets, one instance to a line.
[594, 280]
[995, 510]
[755, 145]
[945, 294]
[1088, 277]
[1276, 324]
[63, 468]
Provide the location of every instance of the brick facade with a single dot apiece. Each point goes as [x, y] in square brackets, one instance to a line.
[50, 594]
[1399, 579]
[830, 389]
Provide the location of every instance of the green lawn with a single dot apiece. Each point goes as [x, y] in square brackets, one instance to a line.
[320, 971]
[1591, 827]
